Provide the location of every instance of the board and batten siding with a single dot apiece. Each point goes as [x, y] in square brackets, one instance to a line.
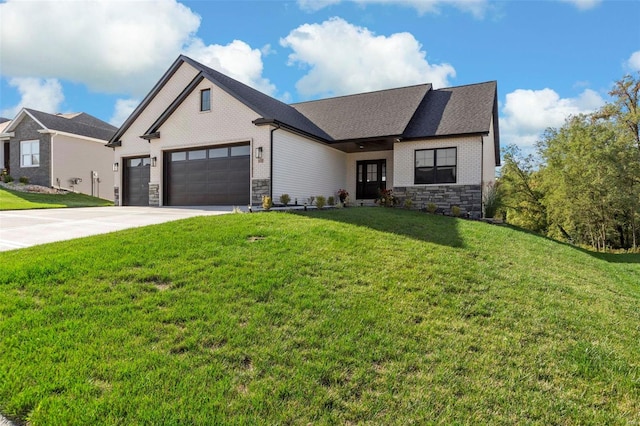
[304, 168]
[469, 166]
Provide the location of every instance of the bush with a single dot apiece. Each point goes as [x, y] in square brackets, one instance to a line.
[386, 198]
[492, 200]
[320, 201]
[24, 180]
[331, 201]
[311, 200]
[455, 211]
[432, 207]
[8, 178]
[408, 203]
[285, 199]
[266, 202]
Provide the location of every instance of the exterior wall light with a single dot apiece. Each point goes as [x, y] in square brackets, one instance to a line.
[116, 166]
[259, 152]
[154, 161]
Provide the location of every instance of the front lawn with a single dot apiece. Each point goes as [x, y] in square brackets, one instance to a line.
[350, 316]
[15, 200]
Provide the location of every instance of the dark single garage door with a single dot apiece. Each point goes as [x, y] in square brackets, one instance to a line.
[208, 176]
[136, 181]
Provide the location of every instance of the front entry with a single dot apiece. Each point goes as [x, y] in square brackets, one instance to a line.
[371, 178]
[136, 181]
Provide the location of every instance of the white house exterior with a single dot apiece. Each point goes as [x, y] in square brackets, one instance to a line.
[200, 137]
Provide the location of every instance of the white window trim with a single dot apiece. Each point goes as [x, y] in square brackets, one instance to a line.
[22, 143]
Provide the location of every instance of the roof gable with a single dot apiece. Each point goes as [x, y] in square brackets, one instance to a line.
[80, 124]
[454, 111]
[366, 115]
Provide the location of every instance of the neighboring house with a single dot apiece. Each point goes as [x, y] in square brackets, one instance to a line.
[64, 151]
[200, 137]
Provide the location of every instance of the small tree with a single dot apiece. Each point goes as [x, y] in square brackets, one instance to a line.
[320, 201]
[266, 203]
[285, 199]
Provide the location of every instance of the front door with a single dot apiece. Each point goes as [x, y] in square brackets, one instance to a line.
[371, 177]
[136, 181]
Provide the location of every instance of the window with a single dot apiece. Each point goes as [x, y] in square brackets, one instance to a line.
[198, 155]
[178, 156]
[237, 151]
[435, 165]
[205, 100]
[29, 153]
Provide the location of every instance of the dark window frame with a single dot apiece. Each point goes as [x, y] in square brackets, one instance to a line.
[205, 102]
[433, 177]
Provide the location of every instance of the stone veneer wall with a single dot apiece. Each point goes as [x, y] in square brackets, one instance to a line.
[259, 188]
[28, 130]
[154, 194]
[467, 197]
[116, 196]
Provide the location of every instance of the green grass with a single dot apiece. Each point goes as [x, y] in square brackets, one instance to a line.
[349, 316]
[15, 200]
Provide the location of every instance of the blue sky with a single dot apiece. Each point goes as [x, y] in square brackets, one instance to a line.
[550, 58]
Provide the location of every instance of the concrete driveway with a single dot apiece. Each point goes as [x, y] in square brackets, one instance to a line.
[25, 228]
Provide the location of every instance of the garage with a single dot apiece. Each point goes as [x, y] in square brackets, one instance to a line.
[215, 175]
[136, 181]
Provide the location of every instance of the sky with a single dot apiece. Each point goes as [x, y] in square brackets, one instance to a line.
[551, 59]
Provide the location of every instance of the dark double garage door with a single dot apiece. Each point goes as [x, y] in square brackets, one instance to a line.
[197, 177]
[208, 176]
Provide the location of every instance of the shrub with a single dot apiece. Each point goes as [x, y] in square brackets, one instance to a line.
[342, 195]
[266, 202]
[24, 180]
[320, 201]
[432, 207]
[311, 200]
[455, 211]
[386, 198]
[331, 201]
[492, 199]
[285, 199]
[8, 178]
[408, 203]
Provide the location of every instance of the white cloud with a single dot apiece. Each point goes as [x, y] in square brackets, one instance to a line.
[36, 93]
[112, 46]
[343, 58]
[477, 8]
[527, 113]
[583, 4]
[237, 60]
[634, 61]
[122, 110]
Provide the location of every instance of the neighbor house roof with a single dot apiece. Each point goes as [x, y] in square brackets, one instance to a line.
[80, 124]
[406, 113]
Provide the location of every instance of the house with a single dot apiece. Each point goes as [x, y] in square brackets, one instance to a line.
[202, 138]
[65, 151]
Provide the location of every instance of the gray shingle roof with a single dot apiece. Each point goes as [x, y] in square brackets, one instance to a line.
[454, 111]
[82, 124]
[365, 115]
[4, 120]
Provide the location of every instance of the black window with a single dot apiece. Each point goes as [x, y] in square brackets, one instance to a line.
[205, 100]
[436, 165]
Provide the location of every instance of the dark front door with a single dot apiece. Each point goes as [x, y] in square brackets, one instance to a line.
[371, 177]
[136, 181]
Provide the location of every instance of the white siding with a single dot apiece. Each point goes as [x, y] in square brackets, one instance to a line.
[304, 168]
[469, 166]
[352, 160]
[489, 157]
[77, 158]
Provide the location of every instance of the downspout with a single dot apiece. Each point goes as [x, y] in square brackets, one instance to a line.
[53, 135]
[277, 126]
[481, 176]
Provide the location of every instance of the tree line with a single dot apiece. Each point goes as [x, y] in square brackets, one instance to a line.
[583, 183]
